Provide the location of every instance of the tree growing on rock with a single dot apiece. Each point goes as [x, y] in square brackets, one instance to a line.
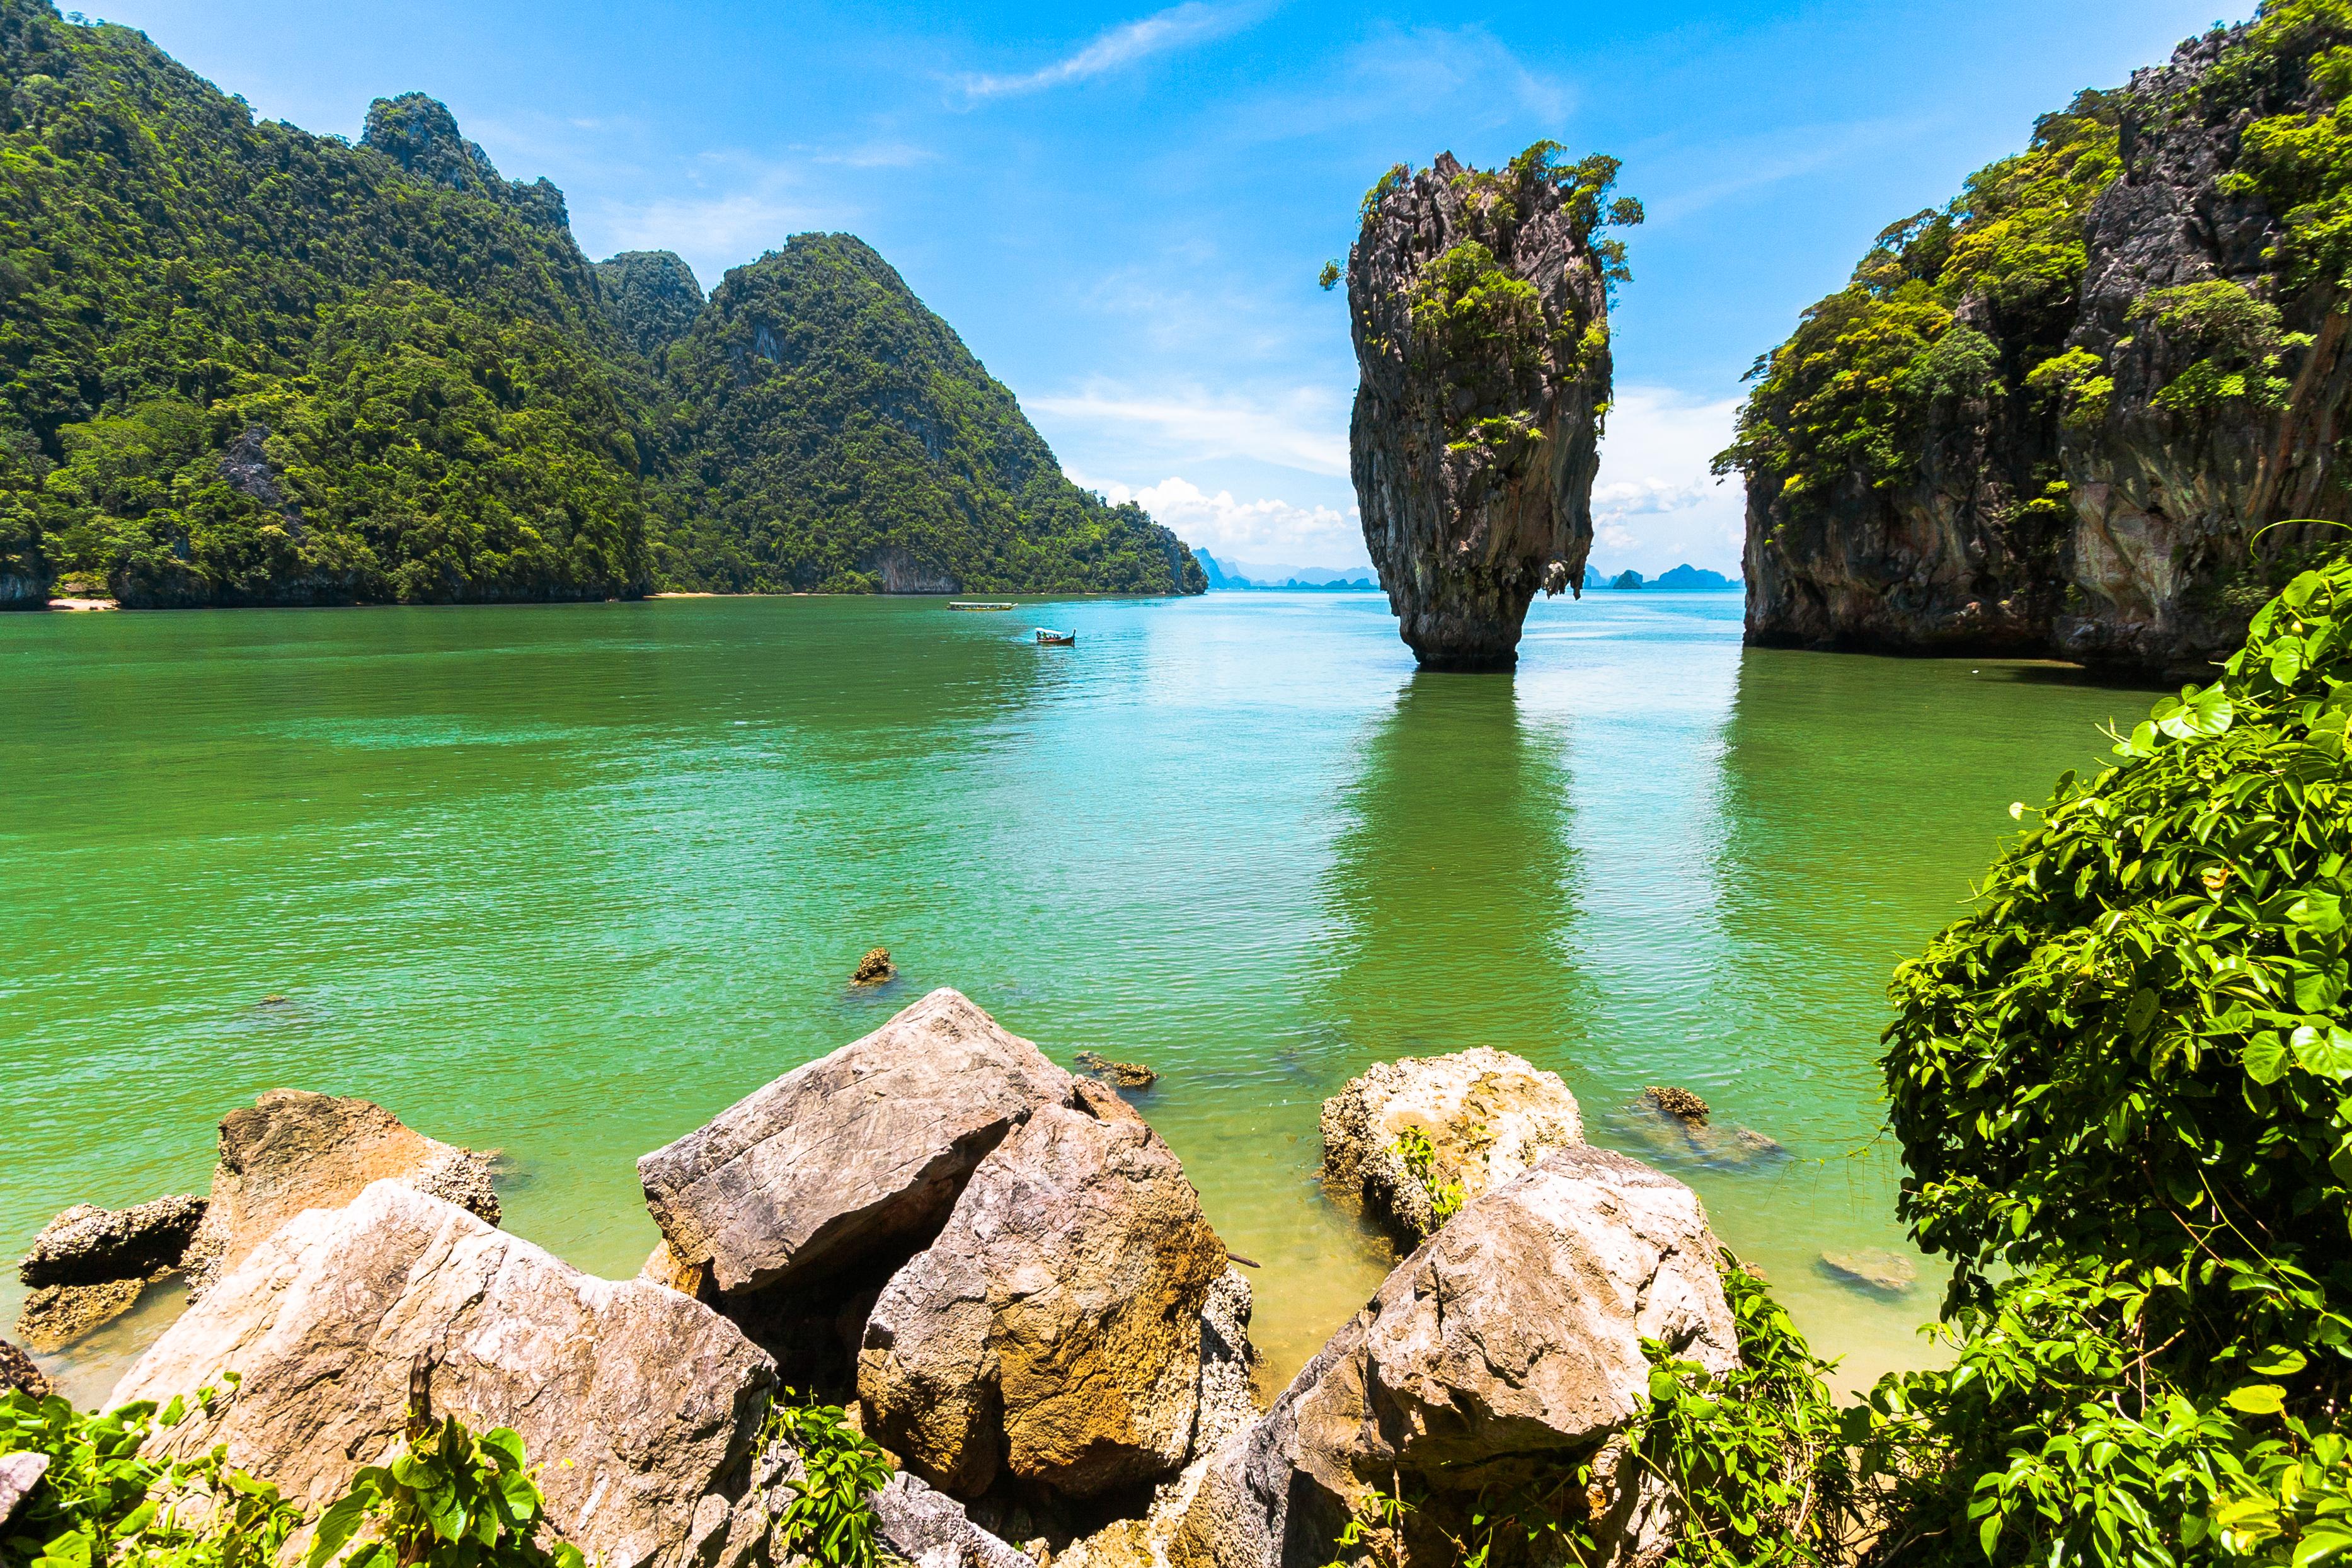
[1478, 300]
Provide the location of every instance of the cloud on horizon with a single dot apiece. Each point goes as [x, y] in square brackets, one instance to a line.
[1653, 468]
[1305, 429]
[1266, 528]
[1177, 27]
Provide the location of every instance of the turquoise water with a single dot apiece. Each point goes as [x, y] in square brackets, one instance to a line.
[565, 880]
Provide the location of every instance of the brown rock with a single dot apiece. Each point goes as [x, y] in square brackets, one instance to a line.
[855, 1154]
[874, 969]
[1054, 1327]
[294, 1150]
[1117, 1074]
[1505, 1352]
[1873, 1268]
[642, 1406]
[88, 1264]
[1680, 1103]
[18, 1372]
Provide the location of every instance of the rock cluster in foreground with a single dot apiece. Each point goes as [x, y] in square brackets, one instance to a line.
[1003, 1269]
[1480, 316]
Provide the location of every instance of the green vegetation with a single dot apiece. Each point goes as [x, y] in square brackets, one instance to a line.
[2299, 163]
[101, 1503]
[242, 364]
[1420, 1157]
[1484, 328]
[1847, 399]
[452, 1500]
[2236, 336]
[2120, 1088]
[831, 1516]
[838, 436]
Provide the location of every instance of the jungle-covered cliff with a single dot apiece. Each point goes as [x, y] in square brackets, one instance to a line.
[243, 364]
[2058, 414]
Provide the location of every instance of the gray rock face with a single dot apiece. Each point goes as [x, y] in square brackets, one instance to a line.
[19, 1474]
[1474, 449]
[246, 466]
[931, 1530]
[1488, 1116]
[651, 1402]
[2145, 554]
[854, 1155]
[294, 1150]
[88, 1264]
[1505, 1351]
[1055, 1329]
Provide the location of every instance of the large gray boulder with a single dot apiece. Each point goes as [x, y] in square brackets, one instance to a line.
[1054, 1329]
[293, 1150]
[852, 1155]
[931, 1530]
[1504, 1352]
[644, 1405]
[1488, 1116]
[88, 1264]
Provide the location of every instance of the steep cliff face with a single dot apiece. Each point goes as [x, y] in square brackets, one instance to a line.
[2057, 416]
[1479, 306]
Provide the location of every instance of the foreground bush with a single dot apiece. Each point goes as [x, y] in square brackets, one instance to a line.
[2121, 1090]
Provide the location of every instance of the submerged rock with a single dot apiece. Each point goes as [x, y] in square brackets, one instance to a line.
[88, 1264]
[643, 1406]
[1874, 1268]
[1055, 1329]
[293, 1150]
[1488, 1115]
[19, 1371]
[1117, 1074]
[1505, 1352]
[1480, 312]
[1674, 1136]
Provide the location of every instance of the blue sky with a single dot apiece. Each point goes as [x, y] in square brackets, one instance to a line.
[1122, 210]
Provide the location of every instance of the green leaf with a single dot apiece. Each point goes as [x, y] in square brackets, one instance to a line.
[337, 1525]
[2278, 1360]
[2265, 1059]
[2256, 1399]
[2327, 1052]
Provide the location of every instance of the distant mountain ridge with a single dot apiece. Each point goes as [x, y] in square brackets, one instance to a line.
[243, 364]
[1241, 574]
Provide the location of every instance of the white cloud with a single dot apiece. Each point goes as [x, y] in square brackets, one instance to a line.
[1653, 468]
[1174, 29]
[1304, 429]
[1261, 530]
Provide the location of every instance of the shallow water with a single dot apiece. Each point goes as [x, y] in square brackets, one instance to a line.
[565, 880]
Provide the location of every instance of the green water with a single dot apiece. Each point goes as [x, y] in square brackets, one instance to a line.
[565, 881]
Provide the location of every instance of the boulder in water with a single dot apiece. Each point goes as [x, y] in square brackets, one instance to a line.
[1873, 1268]
[90, 1264]
[1679, 1103]
[859, 1154]
[293, 1150]
[1505, 1352]
[874, 969]
[1471, 1121]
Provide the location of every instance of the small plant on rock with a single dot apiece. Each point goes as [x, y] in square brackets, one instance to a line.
[831, 1516]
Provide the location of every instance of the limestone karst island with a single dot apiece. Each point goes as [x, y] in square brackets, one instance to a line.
[1210, 786]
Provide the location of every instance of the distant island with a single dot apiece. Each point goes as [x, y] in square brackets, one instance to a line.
[1240, 574]
[1684, 578]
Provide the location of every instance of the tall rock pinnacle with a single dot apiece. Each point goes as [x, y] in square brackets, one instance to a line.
[1479, 303]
